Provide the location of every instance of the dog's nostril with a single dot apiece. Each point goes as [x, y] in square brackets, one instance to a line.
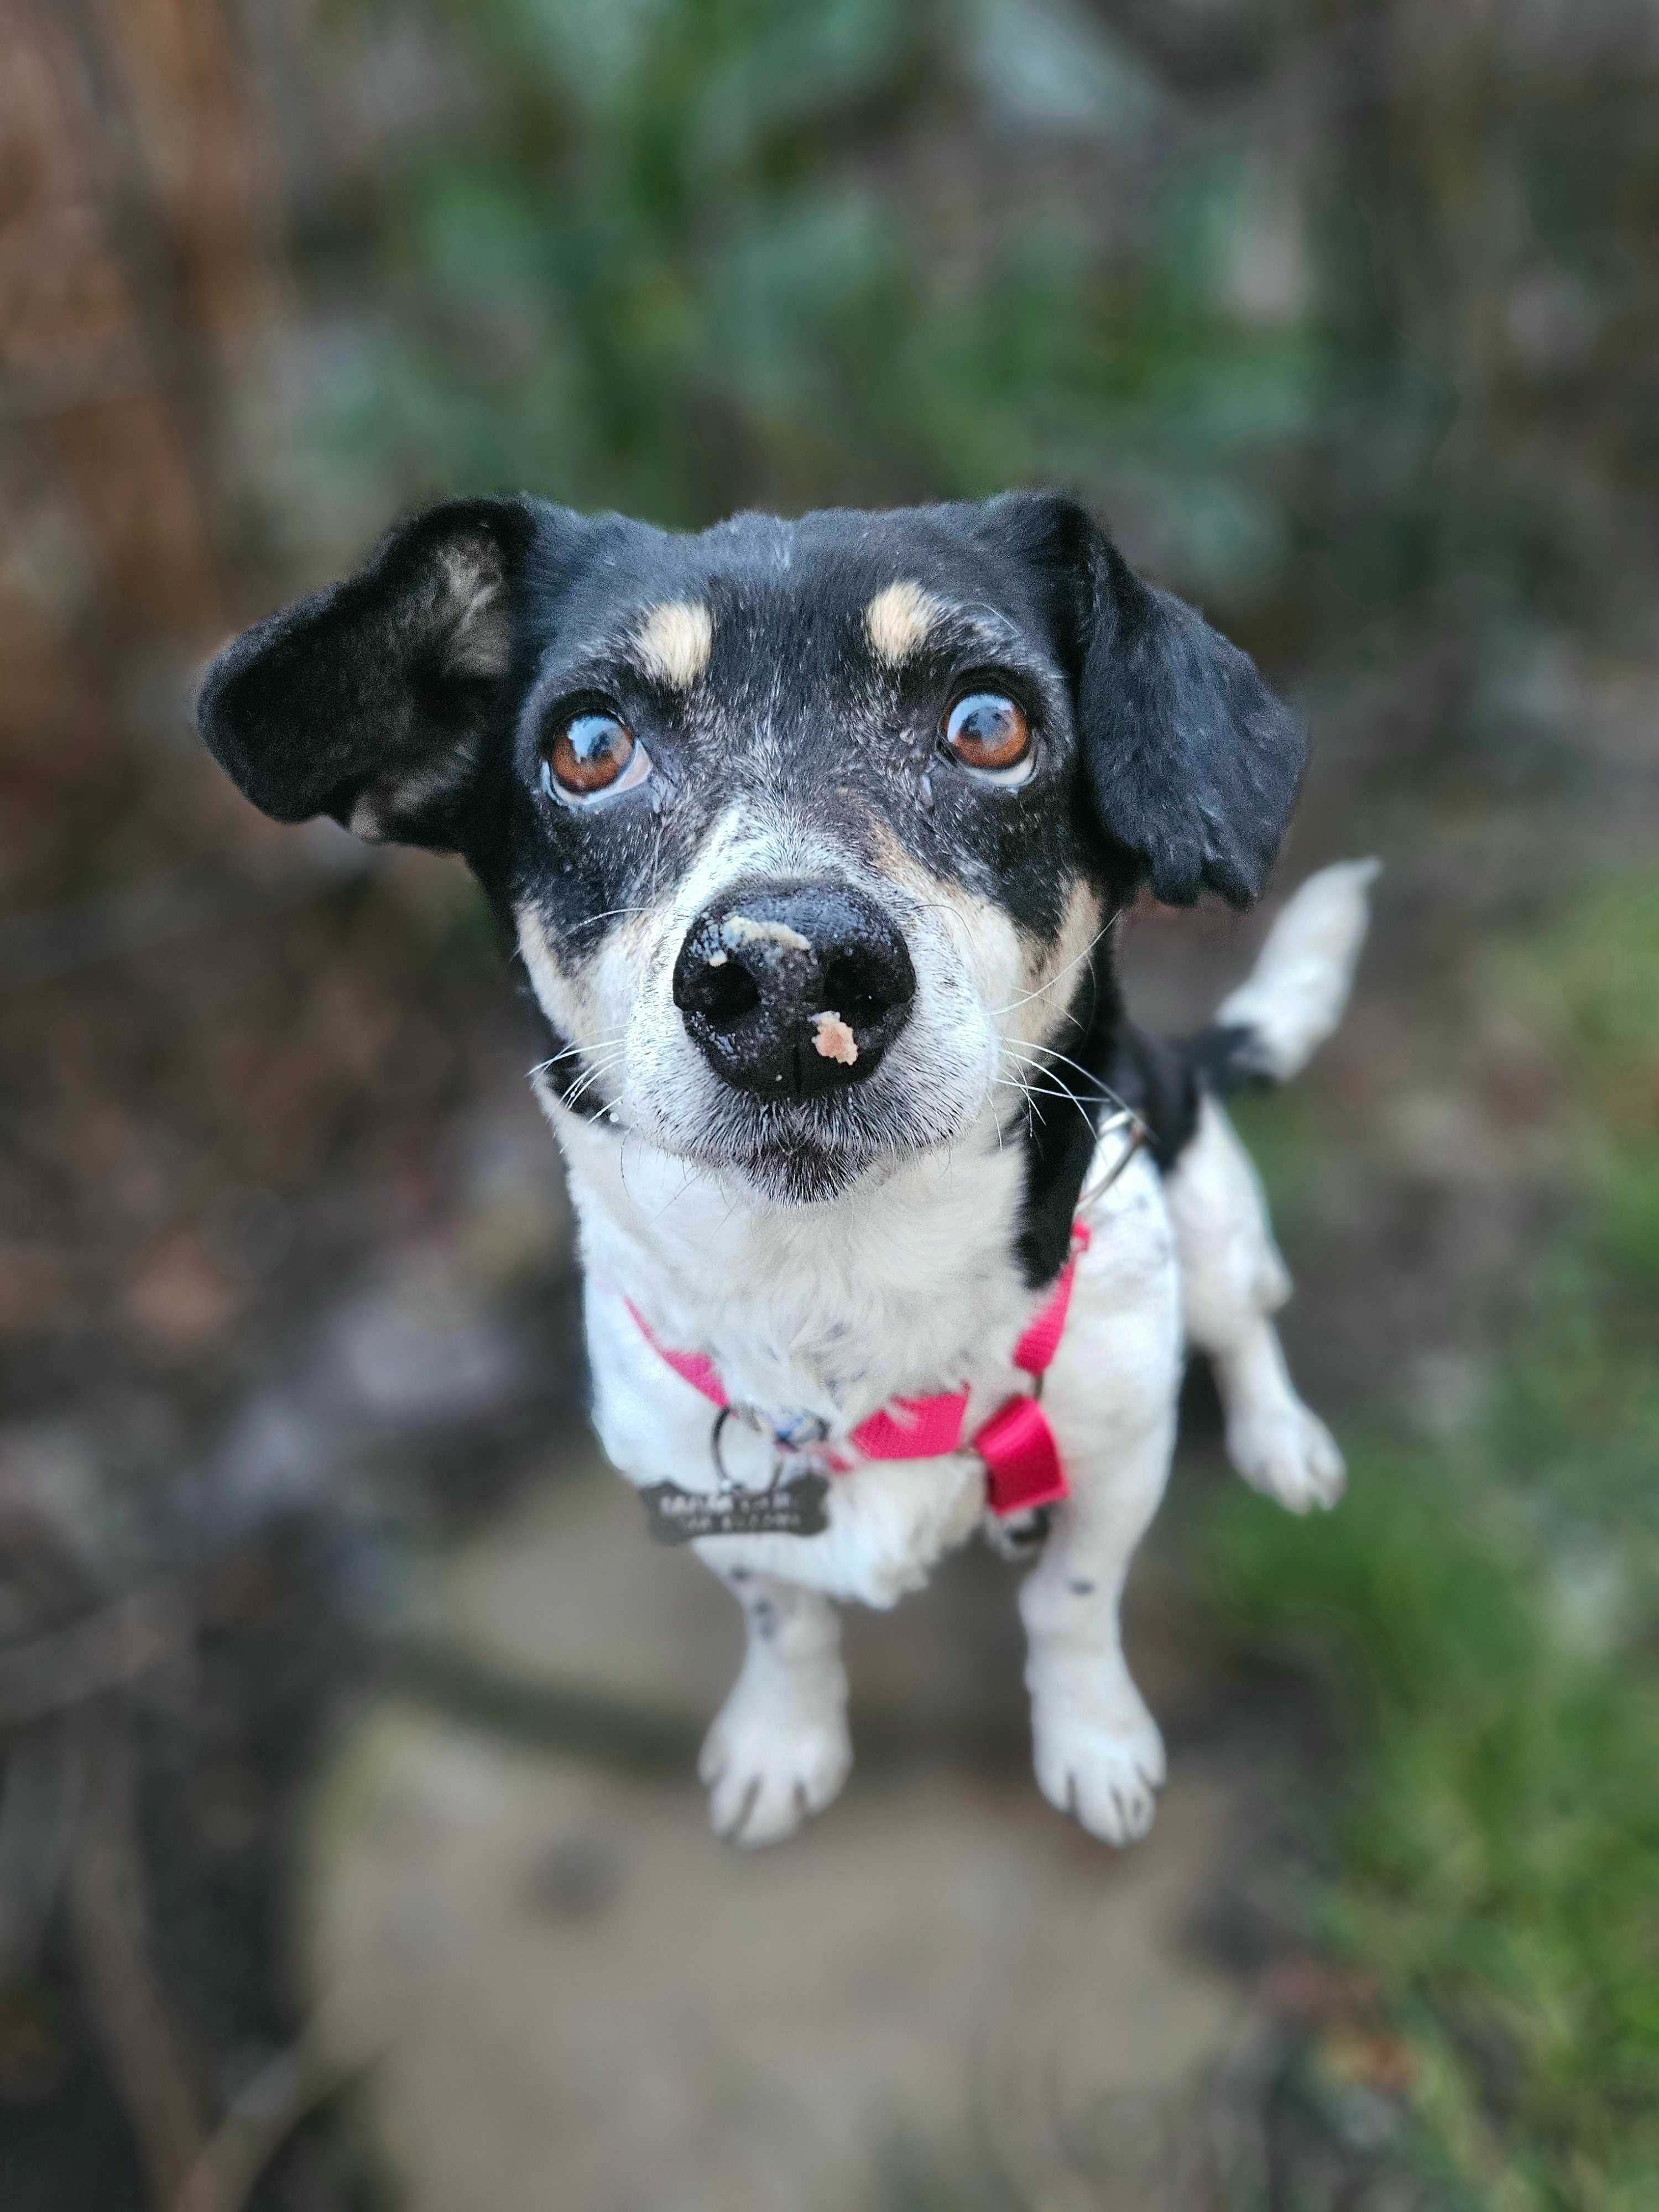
[724, 995]
[856, 991]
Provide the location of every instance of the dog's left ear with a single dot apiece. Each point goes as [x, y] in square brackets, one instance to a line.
[371, 700]
[1193, 765]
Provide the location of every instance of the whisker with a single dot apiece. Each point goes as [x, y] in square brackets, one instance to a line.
[1053, 1052]
[685, 1186]
[601, 1067]
[575, 1052]
[1108, 1097]
[603, 1057]
[592, 921]
[595, 1054]
[1027, 1093]
[597, 1044]
[1061, 1094]
[1031, 1092]
[957, 920]
[1015, 1005]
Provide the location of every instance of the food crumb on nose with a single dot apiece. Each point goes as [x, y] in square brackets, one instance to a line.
[833, 1039]
[744, 929]
[718, 959]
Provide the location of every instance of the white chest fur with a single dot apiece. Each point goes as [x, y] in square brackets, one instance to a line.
[902, 1291]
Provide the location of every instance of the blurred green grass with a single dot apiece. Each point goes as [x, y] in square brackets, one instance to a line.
[1478, 1622]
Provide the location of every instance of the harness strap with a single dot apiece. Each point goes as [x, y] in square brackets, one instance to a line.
[1023, 1467]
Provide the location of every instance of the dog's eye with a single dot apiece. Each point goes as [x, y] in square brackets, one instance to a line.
[986, 730]
[592, 752]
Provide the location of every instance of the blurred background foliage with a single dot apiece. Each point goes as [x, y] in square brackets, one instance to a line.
[1346, 312]
[1314, 301]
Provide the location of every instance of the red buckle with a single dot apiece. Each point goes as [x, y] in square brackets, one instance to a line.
[1022, 1460]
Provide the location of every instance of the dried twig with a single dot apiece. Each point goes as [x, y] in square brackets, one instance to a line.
[68, 1665]
[259, 2122]
[146, 2057]
[38, 1814]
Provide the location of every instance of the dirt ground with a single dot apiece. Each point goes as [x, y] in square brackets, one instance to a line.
[571, 1993]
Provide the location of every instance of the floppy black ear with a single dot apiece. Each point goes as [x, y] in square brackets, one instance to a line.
[369, 699]
[1193, 763]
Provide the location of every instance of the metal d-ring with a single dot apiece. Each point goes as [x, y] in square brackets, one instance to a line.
[724, 1482]
[1138, 1135]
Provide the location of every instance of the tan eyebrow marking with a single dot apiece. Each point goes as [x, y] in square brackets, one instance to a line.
[898, 618]
[674, 640]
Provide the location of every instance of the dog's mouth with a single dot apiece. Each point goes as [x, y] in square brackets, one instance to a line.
[800, 1151]
[805, 1151]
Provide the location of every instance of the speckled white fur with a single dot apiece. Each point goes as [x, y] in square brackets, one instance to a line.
[836, 1310]
[904, 1284]
[1232, 1280]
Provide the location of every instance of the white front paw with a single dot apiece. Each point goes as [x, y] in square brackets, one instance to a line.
[1287, 1453]
[1100, 1760]
[771, 1760]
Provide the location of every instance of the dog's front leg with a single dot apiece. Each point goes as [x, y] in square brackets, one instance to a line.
[1096, 1748]
[779, 1751]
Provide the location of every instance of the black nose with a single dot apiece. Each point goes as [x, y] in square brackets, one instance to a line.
[794, 988]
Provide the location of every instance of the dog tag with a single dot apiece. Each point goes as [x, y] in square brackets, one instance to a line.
[789, 1509]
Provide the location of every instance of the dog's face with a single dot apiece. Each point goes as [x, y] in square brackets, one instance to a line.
[807, 830]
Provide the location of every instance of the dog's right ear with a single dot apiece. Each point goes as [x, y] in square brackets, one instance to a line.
[369, 699]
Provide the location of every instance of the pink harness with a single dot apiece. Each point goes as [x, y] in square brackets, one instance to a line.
[1022, 1460]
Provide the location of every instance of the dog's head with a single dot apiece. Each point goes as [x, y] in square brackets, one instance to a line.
[807, 829]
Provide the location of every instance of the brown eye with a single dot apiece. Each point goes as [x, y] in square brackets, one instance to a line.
[593, 752]
[985, 730]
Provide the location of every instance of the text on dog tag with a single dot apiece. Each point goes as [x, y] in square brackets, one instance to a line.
[789, 1509]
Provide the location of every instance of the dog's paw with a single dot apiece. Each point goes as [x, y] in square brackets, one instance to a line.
[1103, 1763]
[1288, 1454]
[770, 1764]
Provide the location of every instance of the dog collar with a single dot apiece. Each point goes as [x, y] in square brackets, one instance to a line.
[1023, 1466]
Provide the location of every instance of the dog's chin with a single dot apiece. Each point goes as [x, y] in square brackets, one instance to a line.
[812, 1153]
[806, 1172]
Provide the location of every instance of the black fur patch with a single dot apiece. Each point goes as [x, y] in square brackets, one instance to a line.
[1227, 1057]
[1158, 1080]
[417, 699]
[1109, 1062]
[1061, 1124]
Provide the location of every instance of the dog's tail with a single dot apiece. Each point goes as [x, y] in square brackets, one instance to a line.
[1272, 1025]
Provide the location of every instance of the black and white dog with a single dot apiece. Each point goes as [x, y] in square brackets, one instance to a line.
[811, 836]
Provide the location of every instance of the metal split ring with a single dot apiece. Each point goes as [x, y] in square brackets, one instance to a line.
[727, 1484]
[723, 1481]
